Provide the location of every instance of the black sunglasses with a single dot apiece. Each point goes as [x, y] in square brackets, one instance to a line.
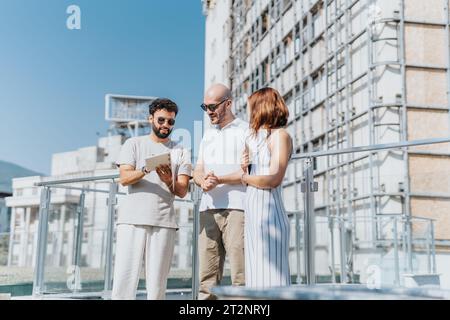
[211, 107]
[170, 121]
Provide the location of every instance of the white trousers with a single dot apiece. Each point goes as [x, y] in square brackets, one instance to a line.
[134, 242]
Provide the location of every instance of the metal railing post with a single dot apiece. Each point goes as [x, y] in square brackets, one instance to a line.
[79, 236]
[343, 247]
[428, 244]
[404, 245]
[308, 188]
[297, 246]
[196, 196]
[78, 242]
[112, 201]
[333, 262]
[396, 256]
[409, 240]
[38, 285]
[433, 246]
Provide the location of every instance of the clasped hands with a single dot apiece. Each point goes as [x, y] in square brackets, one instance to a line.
[210, 182]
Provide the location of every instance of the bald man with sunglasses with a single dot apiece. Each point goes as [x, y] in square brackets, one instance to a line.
[146, 224]
[222, 203]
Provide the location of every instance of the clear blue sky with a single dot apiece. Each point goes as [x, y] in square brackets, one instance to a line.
[53, 80]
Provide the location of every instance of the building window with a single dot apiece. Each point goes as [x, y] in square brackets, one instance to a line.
[306, 96]
[297, 39]
[247, 45]
[316, 25]
[265, 71]
[276, 9]
[287, 46]
[305, 34]
[272, 65]
[290, 104]
[248, 4]
[298, 104]
[286, 4]
[265, 18]
[278, 59]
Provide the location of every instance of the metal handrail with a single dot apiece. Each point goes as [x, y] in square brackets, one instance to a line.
[76, 180]
[376, 147]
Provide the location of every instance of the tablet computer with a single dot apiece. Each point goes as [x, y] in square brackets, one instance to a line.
[153, 162]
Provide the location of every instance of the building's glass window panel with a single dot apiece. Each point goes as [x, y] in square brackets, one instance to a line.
[306, 96]
[265, 22]
[305, 31]
[278, 59]
[287, 49]
[297, 42]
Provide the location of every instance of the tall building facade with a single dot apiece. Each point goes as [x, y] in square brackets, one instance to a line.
[353, 73]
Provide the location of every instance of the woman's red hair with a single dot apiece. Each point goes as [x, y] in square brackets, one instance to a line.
[267, 110]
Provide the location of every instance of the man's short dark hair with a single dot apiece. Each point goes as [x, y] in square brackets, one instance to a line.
[160, 104]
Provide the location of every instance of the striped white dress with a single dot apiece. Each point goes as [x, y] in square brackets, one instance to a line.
[266, 225]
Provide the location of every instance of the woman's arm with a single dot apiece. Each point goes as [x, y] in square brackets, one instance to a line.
[280, 146]
[231, 179]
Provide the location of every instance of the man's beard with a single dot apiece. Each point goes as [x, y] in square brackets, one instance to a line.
[159, 134]
[217, 118]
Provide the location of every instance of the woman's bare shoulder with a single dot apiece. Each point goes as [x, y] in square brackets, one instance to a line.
[281, 134]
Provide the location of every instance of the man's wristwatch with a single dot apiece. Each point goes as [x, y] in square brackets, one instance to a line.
[144, 170]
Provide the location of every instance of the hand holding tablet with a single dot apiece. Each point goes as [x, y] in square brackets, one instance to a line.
[161, 159]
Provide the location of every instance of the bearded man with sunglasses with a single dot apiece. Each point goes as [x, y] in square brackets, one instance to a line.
[146, 224]
[222, 204]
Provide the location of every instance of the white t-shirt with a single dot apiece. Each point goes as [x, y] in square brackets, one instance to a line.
[221, 151]
[149, 201]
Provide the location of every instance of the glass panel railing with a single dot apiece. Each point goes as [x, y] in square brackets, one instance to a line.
[76, 240]
[17, 254]
[80, 246]
[375, 216]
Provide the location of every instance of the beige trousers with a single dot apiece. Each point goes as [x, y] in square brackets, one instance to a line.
[221, 232]
[133, 244]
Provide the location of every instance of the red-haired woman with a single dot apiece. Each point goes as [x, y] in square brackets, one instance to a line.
[269, 148]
